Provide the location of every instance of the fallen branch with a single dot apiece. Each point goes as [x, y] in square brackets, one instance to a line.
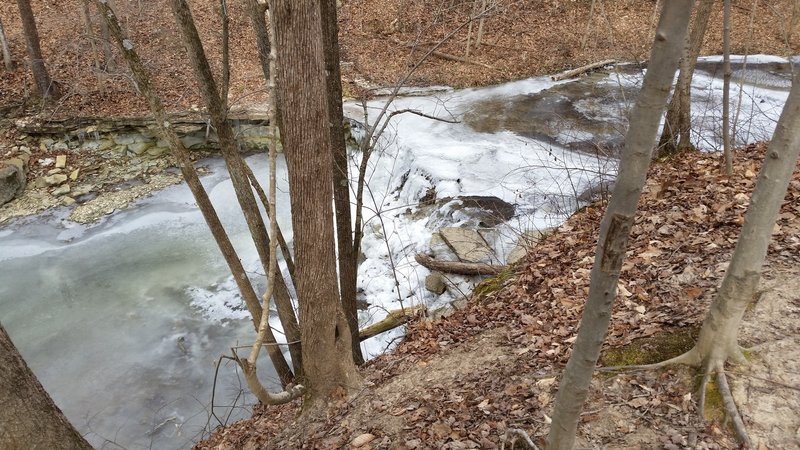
[580, 70]
[393, 320]
[459, 268]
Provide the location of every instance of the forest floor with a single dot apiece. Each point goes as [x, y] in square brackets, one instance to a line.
[466, 380]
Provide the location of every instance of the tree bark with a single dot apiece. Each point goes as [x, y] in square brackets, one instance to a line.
[28, 417]
[618, 220]
[676, 136]
[193, 181]
[7, 62]
[327, 348]
[727, 151]
[44, 84]
[235, 165]
[457, 267]
[348, 268]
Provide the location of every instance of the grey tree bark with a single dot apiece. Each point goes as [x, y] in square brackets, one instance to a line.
[44, 84]
[618, 220]
[727, 151]
[327, 348]
[7, 61]
[177, 148]
[676, 136]
[348, 260]
[29, 419]
[238, 174]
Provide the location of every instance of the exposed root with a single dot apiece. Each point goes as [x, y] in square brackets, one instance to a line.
[701, 402]
[690, 358]
[517, 439]
[731, 409]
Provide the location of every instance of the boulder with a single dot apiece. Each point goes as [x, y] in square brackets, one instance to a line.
[468, 245]
[527, 240]
[13, 173]
[55, 179]
[435, 283]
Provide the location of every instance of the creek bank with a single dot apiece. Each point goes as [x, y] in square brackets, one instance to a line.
[97, 166]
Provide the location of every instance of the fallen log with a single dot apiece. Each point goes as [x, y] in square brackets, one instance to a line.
[456, 267]
[575, 72]
[393, 320]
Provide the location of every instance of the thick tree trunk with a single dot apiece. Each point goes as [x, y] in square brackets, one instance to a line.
[44, 84]
[348, 269]
[7, 62]
[327, 348]
[193, 181]
[676, 135]
[718, 336]
[28, 417]
[618, 220]
[235, 165]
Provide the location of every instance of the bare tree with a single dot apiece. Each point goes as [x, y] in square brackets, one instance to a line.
[238, 173]
[348, 259]
[327, 347]
[676, 135]
[718, 341]
[193, 181]
[7, 62]
[28, 416]
[44, 84]
[727, 151]
[618, 220]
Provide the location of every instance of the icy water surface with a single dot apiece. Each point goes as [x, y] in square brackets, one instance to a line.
[123, 321]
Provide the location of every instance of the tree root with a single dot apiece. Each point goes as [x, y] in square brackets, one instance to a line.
[517, 439]
[715, 367]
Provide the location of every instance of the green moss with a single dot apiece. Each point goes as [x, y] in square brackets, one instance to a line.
[492, 284]
[714, 410]
[653, 349]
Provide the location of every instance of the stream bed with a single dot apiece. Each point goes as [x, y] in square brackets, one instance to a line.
[124, 320]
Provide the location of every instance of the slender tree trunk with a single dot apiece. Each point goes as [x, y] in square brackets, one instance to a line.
[235, 165]
[193, 181]
[44, 84]
[7, 62]
[348, 270]
[28, 416]
[327, 350]
[718, 336]
[676, 136]
[618, 220]
[726, 89]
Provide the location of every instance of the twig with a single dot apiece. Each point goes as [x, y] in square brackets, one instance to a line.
[575, 72]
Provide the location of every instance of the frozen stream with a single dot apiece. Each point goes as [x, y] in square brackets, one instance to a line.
[123, 320]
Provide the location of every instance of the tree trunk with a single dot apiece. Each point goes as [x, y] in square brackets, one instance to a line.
[718, 336]
[235, 165]
[327, 350]
[618, 220]
[7, 62]
[348, 268]
[676, 136]
[193, 181]
[44, 84]
[727, 151]
[28, 417]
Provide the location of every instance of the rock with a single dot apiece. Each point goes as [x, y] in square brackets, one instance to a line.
[435, 283]
[468, 245]
[138, 148]
[61, 161]
[60, 147]
[525, 242]
[74, 174]
[12, 182]
[130, 138]
[46, 143]
[53, 171]
[157, 151]
[103, 144]
[67, 200]
[489, 211]
[61, 190]
[40, 183]
[439, 248]
[193, 142]
[55, 179]
[362, 440]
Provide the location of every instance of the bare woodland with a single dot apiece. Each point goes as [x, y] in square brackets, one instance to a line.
[297, 49]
